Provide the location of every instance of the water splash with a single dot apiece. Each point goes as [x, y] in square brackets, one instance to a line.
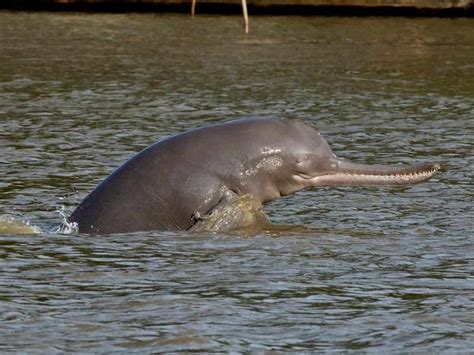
[65, 227]
[11, 226]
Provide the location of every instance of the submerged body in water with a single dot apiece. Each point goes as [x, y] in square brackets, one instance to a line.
[197, 180]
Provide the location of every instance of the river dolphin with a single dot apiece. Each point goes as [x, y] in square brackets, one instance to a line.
[181, 180]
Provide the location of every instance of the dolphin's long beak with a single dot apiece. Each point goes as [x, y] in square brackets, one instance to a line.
[345, 173]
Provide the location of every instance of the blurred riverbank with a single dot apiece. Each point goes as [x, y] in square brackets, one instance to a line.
[304, 7]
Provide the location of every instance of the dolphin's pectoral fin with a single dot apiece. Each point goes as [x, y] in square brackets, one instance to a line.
[228, 196]
[196, 217]
[232, 214]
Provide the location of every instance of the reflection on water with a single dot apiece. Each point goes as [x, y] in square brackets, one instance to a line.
[380, 269]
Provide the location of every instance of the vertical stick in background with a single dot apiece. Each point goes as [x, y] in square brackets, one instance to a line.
[244, 11]
[246, 16]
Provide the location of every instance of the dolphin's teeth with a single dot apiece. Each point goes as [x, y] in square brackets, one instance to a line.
[397, 176]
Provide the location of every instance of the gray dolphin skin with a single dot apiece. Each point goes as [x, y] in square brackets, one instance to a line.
[181, 180]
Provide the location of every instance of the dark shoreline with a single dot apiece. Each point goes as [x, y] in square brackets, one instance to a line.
[421, 8]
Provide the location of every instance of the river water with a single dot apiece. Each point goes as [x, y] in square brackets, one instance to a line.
[376, 269]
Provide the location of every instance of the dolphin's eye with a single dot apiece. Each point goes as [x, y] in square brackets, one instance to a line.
[303, 159]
